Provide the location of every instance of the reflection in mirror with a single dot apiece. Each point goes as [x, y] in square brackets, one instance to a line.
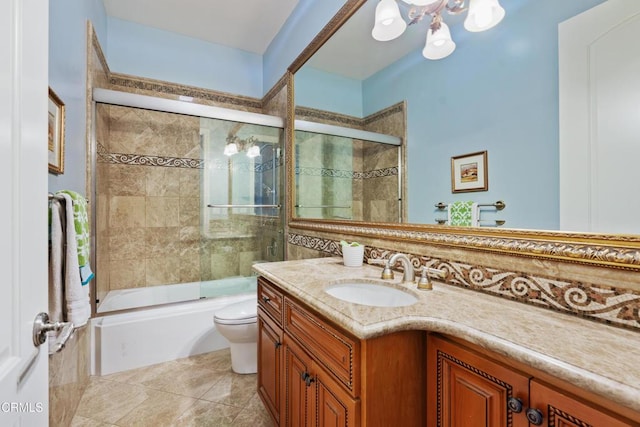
[498, 92]
[340, 177]
[242, 175]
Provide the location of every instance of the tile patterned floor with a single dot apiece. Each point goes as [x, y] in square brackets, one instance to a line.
[196, 391]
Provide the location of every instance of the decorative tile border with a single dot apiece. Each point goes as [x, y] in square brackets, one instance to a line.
[328, 116]
[382, 114]
[275, 90]
[143, 160]
[338, 173]
[176, 162]
[614, 306]
[158, 86]
[350, 121]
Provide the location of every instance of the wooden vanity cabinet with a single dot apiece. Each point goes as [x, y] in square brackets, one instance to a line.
[466, 389]
[560, 409]
[270, 348]
[270, 353]
[313, 398]
[470, 388]
[327, 377]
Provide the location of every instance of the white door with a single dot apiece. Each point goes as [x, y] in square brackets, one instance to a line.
[23, 210]
[600, 119]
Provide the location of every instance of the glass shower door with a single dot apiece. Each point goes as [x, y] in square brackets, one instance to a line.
[242, 221]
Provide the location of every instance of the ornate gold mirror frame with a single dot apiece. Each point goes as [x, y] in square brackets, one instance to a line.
[606, 250]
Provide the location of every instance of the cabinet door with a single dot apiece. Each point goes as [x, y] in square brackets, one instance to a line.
[557, 409]
[269, 364]
[335, 407]
[299, 387]
[465, 389]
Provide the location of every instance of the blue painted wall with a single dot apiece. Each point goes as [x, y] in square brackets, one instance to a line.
[326, 91]
[304, 23]
[143, 51]
[67, 77]
[148, 52]
[497, 92]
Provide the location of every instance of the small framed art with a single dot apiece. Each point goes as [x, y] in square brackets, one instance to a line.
[469, 173]
[56, 134]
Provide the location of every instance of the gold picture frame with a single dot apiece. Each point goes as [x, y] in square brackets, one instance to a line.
[469, 173]
[56, 133]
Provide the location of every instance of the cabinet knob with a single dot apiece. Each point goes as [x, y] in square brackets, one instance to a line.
[535, 416]
[266, 299]
[277, 344]
[309, 380]
[514, 404]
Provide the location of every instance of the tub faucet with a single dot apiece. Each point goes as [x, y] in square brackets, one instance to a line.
[409, 275]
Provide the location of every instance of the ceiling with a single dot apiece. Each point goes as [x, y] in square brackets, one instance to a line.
[249, 25]
[353, 53]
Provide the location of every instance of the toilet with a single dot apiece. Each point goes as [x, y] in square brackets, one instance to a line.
[238, 323]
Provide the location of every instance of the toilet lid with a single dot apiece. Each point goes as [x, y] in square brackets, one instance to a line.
[238, 313]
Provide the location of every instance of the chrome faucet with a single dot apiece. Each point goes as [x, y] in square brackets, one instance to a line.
[409, 275]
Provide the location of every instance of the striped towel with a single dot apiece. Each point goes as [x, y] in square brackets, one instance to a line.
[81, 224]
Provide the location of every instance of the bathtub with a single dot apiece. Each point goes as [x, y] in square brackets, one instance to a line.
[157, 295]
[153, 335]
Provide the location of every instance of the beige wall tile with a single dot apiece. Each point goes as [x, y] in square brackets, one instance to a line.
[127, 212]
[125, 274]
[163, 212]
[162, 271]
[189, 211]
[224, 265]
[190, 182]
[245, 260]
[68, 378]
[190, 269]
[127, 180]
[162, 242]
[161, 181]
[127, 244]
[190, 234]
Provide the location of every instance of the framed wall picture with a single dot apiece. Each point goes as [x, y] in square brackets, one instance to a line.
[469, 173]
[56, 134]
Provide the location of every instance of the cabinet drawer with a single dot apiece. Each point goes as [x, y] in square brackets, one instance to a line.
[333, 349]
[270, 299]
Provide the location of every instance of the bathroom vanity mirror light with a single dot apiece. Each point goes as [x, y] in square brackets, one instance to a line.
[389, 25]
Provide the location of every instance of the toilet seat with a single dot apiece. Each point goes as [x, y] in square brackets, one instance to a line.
[240, 313]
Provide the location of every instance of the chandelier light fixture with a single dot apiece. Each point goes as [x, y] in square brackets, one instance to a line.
[234, 145]
[482, 15]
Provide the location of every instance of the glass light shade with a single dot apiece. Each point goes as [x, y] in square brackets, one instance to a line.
[483, 14]
[389, 24]
[421, 2]
[439, 44]
[230, 149]
[253, 151]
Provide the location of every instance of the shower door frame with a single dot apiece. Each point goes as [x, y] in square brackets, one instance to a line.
[133, 100]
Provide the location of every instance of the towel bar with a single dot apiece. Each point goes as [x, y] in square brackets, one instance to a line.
[499, 205]
[243, 206]
[496, 222]
[53, 196]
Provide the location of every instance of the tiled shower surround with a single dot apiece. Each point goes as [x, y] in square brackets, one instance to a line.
[355, 179]
[150, 213]
[368, 173]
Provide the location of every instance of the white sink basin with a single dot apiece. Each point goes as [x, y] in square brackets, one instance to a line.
[371, 294]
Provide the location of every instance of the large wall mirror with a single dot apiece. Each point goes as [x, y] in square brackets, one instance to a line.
[499, 92]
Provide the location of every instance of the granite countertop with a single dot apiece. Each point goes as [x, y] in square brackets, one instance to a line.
[597, 357]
